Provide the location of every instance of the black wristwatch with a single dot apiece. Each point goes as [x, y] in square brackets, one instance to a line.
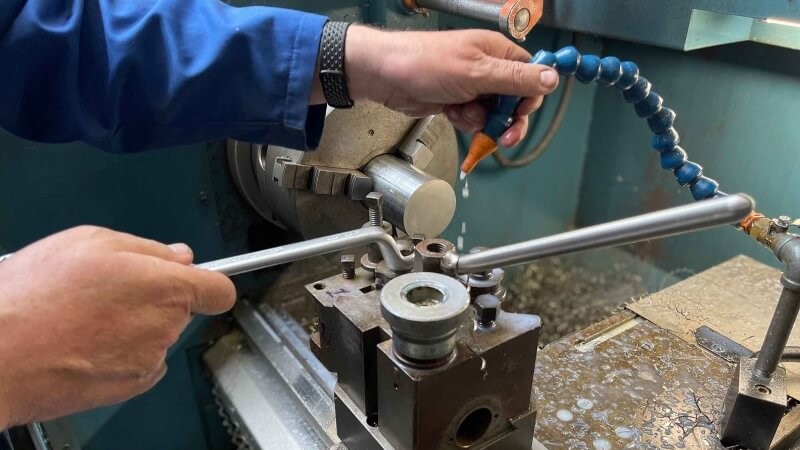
[331, 73]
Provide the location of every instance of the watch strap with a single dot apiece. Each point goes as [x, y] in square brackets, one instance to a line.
[332, 74]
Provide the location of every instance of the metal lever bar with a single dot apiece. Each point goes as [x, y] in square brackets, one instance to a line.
[655, 225]
[249, 262]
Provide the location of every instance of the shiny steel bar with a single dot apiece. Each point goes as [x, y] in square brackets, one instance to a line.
[487, 11]
[515, 17]
[249, 262]
[655, 225]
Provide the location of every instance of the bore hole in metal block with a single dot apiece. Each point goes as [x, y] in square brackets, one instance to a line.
[763, 389]
[319, 286]
[406, 251]
[436, 247]
[473, 427]
[424, 296]
[367, 289]
[372, 420]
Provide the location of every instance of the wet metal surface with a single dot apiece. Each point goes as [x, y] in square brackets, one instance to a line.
[642, 388]
[736, 299]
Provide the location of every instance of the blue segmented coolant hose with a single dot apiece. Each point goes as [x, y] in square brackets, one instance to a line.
[636, 89]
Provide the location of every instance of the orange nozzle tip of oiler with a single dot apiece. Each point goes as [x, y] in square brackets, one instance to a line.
[481, 147]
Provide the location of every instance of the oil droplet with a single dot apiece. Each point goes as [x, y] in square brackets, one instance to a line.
[460, 243]
[463, 227]
[465, 190]
[585, 403]
[601, 444]
[462, 175]
[564, 415]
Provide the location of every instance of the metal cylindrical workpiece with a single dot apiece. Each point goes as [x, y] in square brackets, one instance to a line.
[412, 199]
[778, 333]
[515, 17]
[424, 311]
[655, 225]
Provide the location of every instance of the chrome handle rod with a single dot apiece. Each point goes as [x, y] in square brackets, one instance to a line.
[249, 262]
[668, 222]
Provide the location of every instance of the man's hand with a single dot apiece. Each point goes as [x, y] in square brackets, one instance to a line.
[458, 72]
[87, 315]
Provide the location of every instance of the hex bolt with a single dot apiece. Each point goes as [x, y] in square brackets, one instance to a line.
[374, 202]
[486, 309]
[348, 264]
[783, 222]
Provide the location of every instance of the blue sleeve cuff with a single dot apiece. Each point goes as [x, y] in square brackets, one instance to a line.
[301, 125]
[298, 115]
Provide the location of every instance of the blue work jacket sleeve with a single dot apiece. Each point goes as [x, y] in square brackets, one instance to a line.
[131, 75]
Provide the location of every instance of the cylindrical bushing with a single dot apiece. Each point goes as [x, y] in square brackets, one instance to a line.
[412, 199]
[424, 311]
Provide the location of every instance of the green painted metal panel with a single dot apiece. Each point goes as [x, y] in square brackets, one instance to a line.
[672, 24]
[163, 194]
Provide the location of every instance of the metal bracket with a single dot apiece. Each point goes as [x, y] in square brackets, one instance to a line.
[753, 407]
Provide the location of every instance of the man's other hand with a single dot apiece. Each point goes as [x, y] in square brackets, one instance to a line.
[87, 316]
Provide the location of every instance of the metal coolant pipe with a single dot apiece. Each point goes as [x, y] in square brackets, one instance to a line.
[487, 11]
[655, 225]
[778, 333]
[515, 17]
[787, 249]
[249, 262]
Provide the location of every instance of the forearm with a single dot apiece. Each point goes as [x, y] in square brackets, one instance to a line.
[127, 76]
